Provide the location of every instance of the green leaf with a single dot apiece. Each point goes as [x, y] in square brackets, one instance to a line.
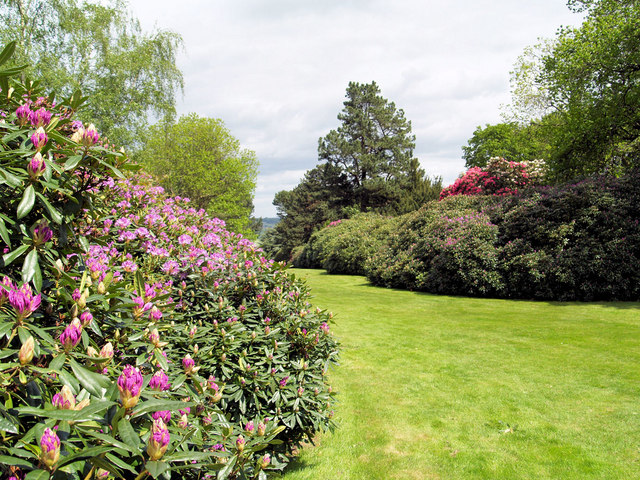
[8, 258]
[156, 468]
[55, 414]
[121, 463]
[7, 425]
[72, 162]
[112, 441]
[82, 454]
[224, 473]
[30, 265]
[37, 475]
[4, 233]
[58, 361]
[189, 455]
[7, 52]
[55, 215]
[9, 177]
[18, 462]
[27, 202]
[101, 462]
[128, 434]
[94, 383]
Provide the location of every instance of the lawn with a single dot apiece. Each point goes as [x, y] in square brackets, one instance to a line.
[437, 387]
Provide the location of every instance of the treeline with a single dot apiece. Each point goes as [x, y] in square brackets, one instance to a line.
[546, 208]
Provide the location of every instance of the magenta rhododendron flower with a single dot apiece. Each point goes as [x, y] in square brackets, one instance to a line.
[71, 335]
[23, 112]
[158, 440]
[42, 233]
[49, 448]
[130, 386]
[24, 302]
[165, 415]
[188, 363]
[40, 118]
[159, 381]
[39, 139]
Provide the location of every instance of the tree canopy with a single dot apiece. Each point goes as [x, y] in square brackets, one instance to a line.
[590, 80]
[198, 158]
[366, 164]
[99, 49]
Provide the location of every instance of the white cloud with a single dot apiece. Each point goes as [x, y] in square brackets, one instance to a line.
[276, 71]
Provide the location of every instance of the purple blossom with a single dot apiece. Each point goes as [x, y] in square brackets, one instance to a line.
[24, 302]
[130, 385]
[39, 139]
[36, 166]
[165, 415]
[158, 440]
[49, 448]
[159, 381]
[71, 335]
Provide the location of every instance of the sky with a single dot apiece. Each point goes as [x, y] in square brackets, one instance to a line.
[276, 71]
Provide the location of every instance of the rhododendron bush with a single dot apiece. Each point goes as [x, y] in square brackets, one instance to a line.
[499, 177]
[138, 336]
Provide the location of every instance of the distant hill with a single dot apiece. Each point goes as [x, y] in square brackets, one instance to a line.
[269, 222]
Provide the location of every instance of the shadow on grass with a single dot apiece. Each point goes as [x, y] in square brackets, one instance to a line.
[626, 305]
[296, 465]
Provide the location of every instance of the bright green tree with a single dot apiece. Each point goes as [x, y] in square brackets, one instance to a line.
[591, 79]
[198, 158]
[373, 146]
[99, 49]
[518, 143]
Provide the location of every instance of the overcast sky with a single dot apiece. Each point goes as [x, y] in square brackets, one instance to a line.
[276, 71]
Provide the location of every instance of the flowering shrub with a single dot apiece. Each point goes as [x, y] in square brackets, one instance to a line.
[446, 247]
[499, 177]
[106, 285]
[344, 246]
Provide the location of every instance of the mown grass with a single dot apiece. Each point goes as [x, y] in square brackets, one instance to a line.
[436, 387]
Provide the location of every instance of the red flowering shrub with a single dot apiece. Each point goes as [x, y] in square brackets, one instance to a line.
[499, 177]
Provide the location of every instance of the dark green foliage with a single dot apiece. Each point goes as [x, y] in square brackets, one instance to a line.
[367, 166]
[573, 242]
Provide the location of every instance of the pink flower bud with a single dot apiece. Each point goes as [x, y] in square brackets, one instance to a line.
[240, 443]
[154, 337]
[39, 139]
[86, 318]
[65, 400]
[36, 166]
[49, 448]
[23, 301]
[71, 335]
[107, 351]
[261, 429]
[42, 233]
[249, 427]
[40, 117]
[130, 386]
[23, 112]
[165, 415]
[266, 459]
[158, 440]
[159, 381]
[188, 363]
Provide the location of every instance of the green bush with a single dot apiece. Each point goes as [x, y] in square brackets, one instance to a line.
[106, 285]
[445, 247]
[345, 245]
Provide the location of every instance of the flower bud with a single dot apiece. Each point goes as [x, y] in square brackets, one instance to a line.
[65, 400]
[261, 429]
[49, 448]
[154, 337]
[71, 335]
[189, 365]
[107, 351]
[86, 318]
[165, 415]
[130, 386]
[240, 443]
[39, 139]
[159, 381]
[158, 440]
[91, 352]
[266, 459]
[184, 421]
[36, 166]
[101, 288]
[25, 355]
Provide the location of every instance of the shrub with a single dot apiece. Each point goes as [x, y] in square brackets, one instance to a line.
[344, 246]
[106, 284]
[499, 177]
[445, 247]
